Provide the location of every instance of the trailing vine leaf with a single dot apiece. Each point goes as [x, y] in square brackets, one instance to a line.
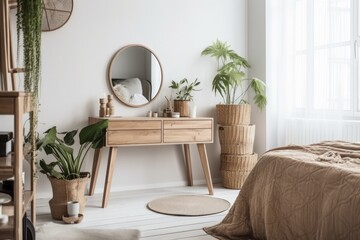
[29, 17]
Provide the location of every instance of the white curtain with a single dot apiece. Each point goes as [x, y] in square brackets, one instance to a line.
[312, 71]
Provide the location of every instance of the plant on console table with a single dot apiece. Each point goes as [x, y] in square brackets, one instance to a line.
[67, 181]
[183, 95]
[236, 133]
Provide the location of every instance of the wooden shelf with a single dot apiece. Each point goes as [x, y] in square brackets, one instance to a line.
[6, 230]
[17, 104]
[6, 167]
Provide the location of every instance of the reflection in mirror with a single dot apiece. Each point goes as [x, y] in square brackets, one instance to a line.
[135, 75]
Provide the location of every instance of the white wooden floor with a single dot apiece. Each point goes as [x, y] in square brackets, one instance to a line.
[128, 210]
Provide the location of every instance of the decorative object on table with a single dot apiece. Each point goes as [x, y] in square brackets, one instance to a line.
[4, 198]
[183, 95]
[55, 14]
[192, 110]
[175, 114]
[56, 232]
[102, 109]
[235, 131]
[110, 110]
[68, 182]
[130, 78]
[188, 205]
[5, 143]
[107, 108]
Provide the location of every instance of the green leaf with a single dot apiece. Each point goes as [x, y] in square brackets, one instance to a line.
[94, 133]
[69, 137]
[259, 88]
[219, 50]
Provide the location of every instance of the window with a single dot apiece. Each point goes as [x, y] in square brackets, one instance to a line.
[326, 56]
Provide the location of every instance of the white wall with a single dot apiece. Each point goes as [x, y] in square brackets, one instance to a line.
[257, 59]
[74, 69]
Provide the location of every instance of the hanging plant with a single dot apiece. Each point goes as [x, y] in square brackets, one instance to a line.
[28, 24]
[29, 15]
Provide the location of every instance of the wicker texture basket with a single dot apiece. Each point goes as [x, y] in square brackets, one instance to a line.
[234, 179]
[236, 168]
[183, 107]
[238, 162]
[238, 139]
[233, 114]
[65, 191]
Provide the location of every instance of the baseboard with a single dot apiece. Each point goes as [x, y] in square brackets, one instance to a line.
[141, 187]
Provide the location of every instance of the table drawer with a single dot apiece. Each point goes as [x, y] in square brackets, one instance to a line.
[128, 137]
[174, 124]
[187, 135]
[138, 124]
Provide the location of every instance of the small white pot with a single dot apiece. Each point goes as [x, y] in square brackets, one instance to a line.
[73, 208]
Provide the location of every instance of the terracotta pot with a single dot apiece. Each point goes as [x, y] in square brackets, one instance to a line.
[183, 107]
[233, 114]
[65, 191]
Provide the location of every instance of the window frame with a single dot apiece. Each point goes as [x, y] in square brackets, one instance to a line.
[310, 49]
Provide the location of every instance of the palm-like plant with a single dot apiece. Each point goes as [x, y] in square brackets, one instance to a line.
[92, 136]
[230, 78]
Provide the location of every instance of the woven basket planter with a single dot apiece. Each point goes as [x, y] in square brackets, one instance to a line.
[65, 191]
[236, 168]
[183, 107]
[238, 162]
[238, 139]
[233, 114]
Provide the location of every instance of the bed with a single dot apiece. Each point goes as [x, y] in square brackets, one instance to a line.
[298, 192]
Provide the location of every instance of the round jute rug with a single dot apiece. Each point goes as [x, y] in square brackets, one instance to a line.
[188, 205]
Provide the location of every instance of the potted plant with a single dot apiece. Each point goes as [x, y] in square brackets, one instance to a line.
[232, 84]
[236, 134]
[67, 181]
[183, 95]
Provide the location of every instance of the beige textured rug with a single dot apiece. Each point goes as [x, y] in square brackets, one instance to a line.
[54, 231]
[189, 205]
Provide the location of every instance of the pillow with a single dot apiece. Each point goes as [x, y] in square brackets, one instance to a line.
[122, 92]
[133, 85]
[138, 99]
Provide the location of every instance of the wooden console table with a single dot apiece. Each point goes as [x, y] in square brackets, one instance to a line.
[143, 131]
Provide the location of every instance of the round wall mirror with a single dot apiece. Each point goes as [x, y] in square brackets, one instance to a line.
[135, 75]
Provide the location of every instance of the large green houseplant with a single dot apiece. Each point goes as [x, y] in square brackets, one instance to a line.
[67, 180]
[233, 85]
[236, 134]
[230, 80]
[183, 95]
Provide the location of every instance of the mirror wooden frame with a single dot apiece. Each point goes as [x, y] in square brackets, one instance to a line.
[110, 77]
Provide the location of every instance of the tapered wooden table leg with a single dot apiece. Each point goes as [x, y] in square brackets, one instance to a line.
[188, 164]
[95, 170]
[205, 166]
[109, 175]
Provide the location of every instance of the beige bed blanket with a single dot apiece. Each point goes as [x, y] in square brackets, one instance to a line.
[298, 192]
